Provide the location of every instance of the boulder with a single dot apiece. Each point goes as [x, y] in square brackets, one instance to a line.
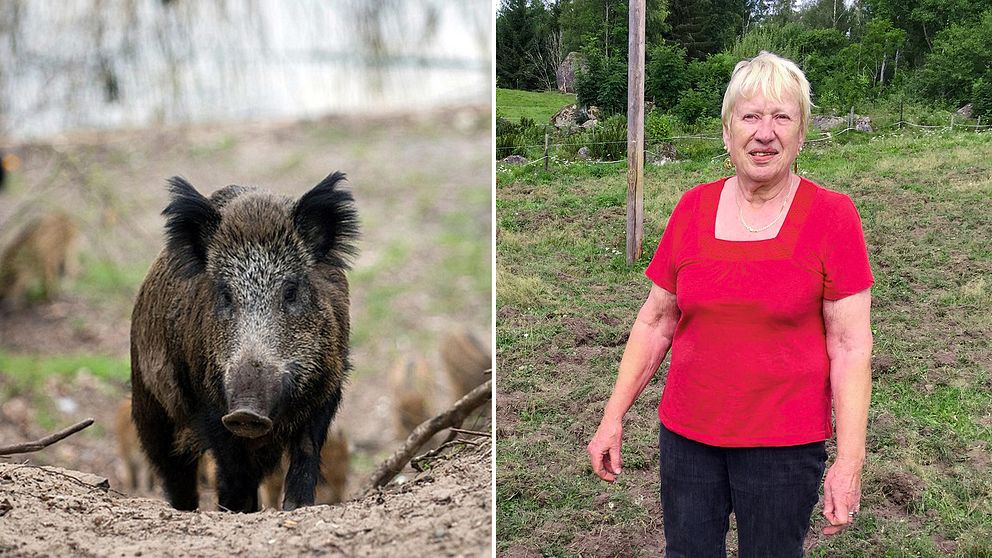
[863, 124]
[565, 118]
[583, 153]
[593, 112]
[964, 111]
[514, 160]
[824, 123]
[590, 124]
[662, 153]
[565, 74]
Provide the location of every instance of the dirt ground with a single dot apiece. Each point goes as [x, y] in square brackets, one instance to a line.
[422, 187]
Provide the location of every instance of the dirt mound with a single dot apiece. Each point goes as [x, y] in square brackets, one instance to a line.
[48, 511]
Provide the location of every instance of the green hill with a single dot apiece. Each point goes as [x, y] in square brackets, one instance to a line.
[538, 106]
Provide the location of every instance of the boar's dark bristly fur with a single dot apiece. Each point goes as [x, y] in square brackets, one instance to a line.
[239, 338]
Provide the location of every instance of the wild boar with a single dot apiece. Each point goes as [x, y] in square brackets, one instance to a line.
[413, 393]
[133, 470]
[37, 259]
[334, 465]
[239, 339]
[467, 362]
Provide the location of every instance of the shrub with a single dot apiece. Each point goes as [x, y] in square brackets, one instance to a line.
[608, 140]
[666, 75]
[517, 139]
[602, 82]
[659, 127]
[694, 105]
[981, 96]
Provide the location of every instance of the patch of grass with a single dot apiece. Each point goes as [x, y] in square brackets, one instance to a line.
[537, 106]
[214, 148]
[100, 278]
[27, 372]
[566, 297]
[520, 290]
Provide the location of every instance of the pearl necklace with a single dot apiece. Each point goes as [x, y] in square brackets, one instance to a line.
[740, 210]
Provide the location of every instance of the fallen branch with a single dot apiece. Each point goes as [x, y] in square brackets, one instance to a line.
[43, 443]
[452, 417]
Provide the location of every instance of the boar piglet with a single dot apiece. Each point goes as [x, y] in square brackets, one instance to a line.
[239, 339]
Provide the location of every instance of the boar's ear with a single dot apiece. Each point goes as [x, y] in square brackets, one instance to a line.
[191, 220]
[326, 218]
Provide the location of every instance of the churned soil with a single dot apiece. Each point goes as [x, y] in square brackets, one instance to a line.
[48, 511]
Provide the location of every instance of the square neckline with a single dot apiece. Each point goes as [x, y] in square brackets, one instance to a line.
[787, 222]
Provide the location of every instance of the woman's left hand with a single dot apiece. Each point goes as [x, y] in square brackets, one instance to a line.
[842, 494]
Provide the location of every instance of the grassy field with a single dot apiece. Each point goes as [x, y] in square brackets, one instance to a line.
[538, 106]
[566, 300]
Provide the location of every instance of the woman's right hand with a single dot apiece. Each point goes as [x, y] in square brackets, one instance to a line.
[604, 450]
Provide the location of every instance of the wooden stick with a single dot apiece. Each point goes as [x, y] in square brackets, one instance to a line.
[452, 417]
[471, 432]
[43, 443]
[416, 461]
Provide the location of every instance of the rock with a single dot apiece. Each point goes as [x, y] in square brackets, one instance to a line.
[565, 74]
[590, 124]
[964, 111]
[662, 154]
[565, 118]
[593, 112]
[824, 123]
[514, 160]
[863, 124]
[583, 153]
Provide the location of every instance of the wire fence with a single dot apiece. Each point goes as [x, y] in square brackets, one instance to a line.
[828, 136]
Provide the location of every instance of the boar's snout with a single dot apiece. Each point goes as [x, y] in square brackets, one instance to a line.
[253, 392]
[247, 424]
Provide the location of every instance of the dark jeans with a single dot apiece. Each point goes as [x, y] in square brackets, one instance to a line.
[771, 490]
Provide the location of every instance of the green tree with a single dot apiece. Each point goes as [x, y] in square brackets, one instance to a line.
[923, 20]
[528, 46]
[605, 22]
[961, 55]
[516, 34]
[666, 74]
[705, 27]
[826, 14]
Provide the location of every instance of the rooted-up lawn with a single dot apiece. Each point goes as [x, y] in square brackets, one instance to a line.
[566, 299]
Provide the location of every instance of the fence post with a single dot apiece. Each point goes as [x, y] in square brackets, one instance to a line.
[635, 129]
[979, 125]
[952, 121]
[546, 136]
[850, 119]
[900, 112]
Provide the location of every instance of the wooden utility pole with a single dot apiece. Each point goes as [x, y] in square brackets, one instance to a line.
[635, 131]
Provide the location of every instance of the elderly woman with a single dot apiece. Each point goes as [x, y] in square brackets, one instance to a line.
[761, 290]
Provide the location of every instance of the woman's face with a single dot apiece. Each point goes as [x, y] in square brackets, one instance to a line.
[764, 138]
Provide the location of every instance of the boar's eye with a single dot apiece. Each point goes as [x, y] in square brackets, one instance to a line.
[291, 293]
[225, 299]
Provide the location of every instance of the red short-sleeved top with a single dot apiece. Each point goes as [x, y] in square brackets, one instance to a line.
[749, 362]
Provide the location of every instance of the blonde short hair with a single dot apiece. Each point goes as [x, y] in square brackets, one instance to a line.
[771, 76]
